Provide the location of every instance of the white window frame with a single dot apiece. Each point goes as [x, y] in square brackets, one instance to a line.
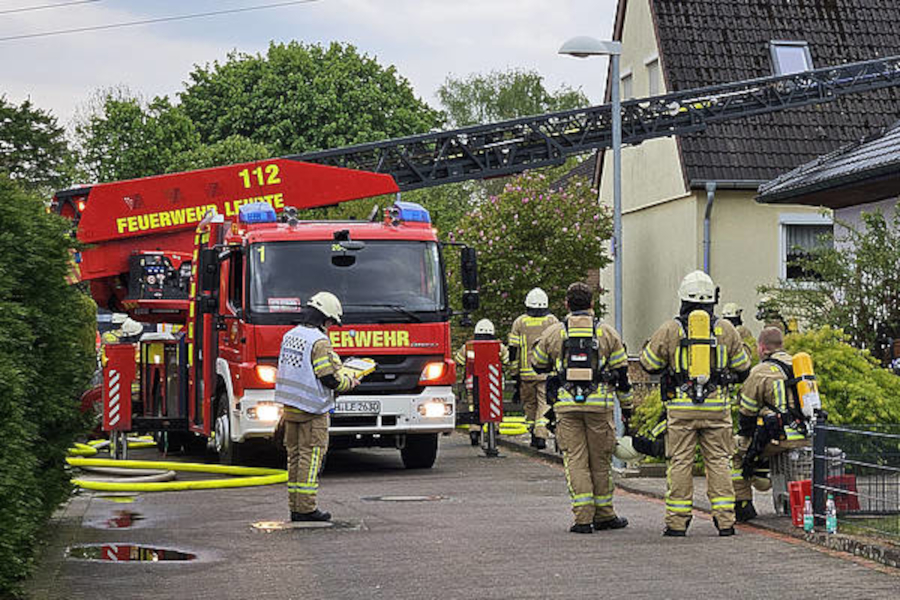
[626, 74]
[773, 51]
[786, 219]
[647, 62]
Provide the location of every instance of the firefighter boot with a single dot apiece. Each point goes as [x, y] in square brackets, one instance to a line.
[744, 511]
[614, 523]
[581, 528]
[316, 515]
[723, 532]
[474, 437]
[669, 532]
[538, 442]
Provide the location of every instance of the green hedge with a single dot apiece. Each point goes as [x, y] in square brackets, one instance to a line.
[46, 359]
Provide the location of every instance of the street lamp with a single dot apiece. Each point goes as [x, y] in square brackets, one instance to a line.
[583, 47]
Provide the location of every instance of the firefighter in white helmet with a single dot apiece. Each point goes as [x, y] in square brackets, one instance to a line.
[532, 389]
[698, 357]
[309, 374]
[484, 330]
[592, 371]
[734, 313]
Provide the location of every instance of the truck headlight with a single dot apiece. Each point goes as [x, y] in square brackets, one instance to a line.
[265, 411]
[433, 410]
[267, 373]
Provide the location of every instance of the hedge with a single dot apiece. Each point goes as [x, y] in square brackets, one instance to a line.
[46, 359]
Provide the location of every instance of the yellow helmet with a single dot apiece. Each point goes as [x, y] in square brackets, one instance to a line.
[327, 304]
[697, 287]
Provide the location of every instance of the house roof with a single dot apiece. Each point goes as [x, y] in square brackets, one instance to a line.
[587, 168]
[865, 171]
[706, 42]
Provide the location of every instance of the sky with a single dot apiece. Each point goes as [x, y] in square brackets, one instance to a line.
[427, 40]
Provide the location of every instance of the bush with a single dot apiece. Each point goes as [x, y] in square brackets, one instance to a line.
[46, 360]
[854, 388]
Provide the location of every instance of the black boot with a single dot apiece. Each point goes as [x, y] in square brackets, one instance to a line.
[316, 515]
[669, 532]
[538, 442]
[474, 437]
[614, 523]
[581, 528]
[723, 532]
[744, 511]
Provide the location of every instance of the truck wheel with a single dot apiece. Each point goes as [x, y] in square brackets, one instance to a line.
[420, 451]
[229, 452]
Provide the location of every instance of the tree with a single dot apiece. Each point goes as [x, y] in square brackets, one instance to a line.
[853, 284]
[231, 150]
[500, 95]
[531, 235]
[33, 147]
[302, 97]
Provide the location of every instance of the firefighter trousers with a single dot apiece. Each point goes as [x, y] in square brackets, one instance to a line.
[743, 490]
[306, 443]
[587, 440]
[533, 394]
[715, 439]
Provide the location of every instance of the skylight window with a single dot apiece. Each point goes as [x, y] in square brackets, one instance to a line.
[790, 57]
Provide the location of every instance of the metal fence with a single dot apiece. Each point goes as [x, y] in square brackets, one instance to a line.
[860, 466]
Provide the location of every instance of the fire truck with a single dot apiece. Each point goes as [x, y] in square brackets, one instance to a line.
[225, 256]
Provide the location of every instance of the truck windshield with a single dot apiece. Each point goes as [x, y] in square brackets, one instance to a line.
[386, 281]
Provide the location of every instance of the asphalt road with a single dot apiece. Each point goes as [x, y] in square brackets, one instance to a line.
[500, 530]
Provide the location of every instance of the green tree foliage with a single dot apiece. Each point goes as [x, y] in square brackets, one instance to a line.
[856, 284]
[46, 360]
[532, 235]
[500, 95]
[231, 150]
[300, 97]
[854, 388]
[33, 147]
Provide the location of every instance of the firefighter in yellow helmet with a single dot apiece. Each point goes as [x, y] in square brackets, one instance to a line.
[484, 330]
[734, 313]
[309, 374]
[592, 370]
[525, 333]
[698, 357]
[767, 396]
[768, 312]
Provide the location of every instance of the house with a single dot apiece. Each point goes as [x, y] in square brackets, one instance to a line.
[672, 187]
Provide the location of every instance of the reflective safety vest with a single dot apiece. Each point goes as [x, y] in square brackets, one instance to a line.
[297, 385]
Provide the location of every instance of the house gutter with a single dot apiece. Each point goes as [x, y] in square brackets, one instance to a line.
[707, 241]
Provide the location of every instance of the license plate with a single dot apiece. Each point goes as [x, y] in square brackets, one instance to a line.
[358, 406]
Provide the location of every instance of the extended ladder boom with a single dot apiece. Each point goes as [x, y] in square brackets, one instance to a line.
[509, 147]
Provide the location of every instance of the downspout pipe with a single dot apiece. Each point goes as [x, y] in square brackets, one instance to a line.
[707, 217]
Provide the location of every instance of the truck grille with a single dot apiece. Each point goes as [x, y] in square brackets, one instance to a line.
[395, 374]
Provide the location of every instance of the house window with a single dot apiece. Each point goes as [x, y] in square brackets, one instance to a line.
[790, 57]
[627, 86]
[653, 77]
[801, 235]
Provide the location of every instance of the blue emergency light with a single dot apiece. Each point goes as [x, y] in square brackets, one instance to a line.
[258, 212]
[411, 212]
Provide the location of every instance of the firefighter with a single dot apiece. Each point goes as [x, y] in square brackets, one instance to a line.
[128, 330]
[309, 373]
[768, 396]
[734, 313]
[484, 330]
[768, 312]
[525, 332]
[592, 369]
[697, 407]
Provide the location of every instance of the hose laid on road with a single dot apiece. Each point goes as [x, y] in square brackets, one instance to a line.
[249, 476]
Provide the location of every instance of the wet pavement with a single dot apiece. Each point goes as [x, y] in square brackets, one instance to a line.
[498, 530]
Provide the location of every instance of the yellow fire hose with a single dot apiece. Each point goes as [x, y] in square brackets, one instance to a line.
[250, 476]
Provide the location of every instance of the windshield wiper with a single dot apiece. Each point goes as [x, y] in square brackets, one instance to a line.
[395, 307]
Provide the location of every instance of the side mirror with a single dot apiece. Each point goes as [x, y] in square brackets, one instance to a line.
[208, 269]
[470, 301]
[469, 269]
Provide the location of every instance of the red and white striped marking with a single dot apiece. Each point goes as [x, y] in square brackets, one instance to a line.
[495, 391]
[114, 404]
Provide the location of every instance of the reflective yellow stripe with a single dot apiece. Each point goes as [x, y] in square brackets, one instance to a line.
[748, 403]
[740, 360]
[581, 331]
[651, 358]
[780, 401]
[617, 358]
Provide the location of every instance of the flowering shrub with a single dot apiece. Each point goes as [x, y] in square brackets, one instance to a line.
[531, 235]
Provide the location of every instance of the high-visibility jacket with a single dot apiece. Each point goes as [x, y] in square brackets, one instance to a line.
[549, 351]
[765, 389]
[297, 385]
[665, 351]
[524, 334]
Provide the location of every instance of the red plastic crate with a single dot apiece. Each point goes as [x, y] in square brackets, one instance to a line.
[798, 491]
[849, 500]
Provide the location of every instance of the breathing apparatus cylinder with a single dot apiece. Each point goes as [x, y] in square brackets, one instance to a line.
[807, 386]
[581, 356]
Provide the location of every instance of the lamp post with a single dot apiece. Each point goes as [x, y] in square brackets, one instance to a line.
[582, 47]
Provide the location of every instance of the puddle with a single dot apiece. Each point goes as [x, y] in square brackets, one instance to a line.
[127, 553]
[270, 526]
[121, 519]
[405, 498]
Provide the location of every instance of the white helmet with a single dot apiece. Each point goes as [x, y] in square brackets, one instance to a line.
[537, 298]
[118, 318]
[327, 304]
[484, 327]
[697, 287]
[625, 451]
[131, 327]
[732, 310]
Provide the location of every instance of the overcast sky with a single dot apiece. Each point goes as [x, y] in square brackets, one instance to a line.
[426, 39]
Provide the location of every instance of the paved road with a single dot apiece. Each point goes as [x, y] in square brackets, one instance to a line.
[501, 532]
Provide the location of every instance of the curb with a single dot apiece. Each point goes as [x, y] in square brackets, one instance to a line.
[867, 548]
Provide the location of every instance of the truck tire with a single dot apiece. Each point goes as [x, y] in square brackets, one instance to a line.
[230, 453]
[420, 451]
